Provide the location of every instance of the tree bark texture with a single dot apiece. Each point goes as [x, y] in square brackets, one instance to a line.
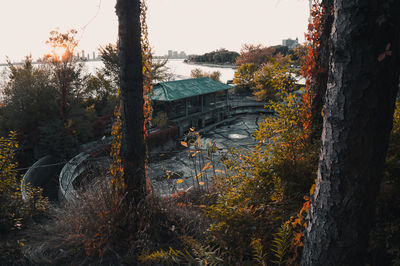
[318, 86]
[133, 151]
[361, 91]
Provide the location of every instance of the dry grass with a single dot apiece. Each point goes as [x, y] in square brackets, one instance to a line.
[98, 228]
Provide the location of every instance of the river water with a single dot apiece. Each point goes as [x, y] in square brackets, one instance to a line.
[176, 67]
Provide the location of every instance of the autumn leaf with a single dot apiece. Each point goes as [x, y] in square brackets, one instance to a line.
[206, 167]
[179, 181]
[195, 153]
[183, 143]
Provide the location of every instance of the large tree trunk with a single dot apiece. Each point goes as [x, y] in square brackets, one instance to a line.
[361, 92]
[318, 86]
[131, 84]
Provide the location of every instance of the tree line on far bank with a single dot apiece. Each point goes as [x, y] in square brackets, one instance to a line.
[258, 53]
[255, 213]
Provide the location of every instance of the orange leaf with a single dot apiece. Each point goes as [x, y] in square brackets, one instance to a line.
[184, 144]
[199, 175]
[195, 153]
[207, 166]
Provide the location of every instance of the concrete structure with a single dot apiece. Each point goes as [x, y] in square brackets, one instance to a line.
[192, 103]
[290, 43]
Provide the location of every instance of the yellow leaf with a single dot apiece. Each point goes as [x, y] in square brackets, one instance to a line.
[199, 175]
[179, 181]
[312, 190]
[201, 183]
[192, 129]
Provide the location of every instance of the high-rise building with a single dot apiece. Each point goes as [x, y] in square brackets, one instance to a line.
[290, 43]
[170, 53]
[182, 54]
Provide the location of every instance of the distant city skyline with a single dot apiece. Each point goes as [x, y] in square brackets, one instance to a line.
[192, 26]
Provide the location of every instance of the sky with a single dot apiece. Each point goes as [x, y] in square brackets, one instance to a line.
[193, 26]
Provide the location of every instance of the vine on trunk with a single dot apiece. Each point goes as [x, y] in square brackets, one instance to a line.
[116, 168]
[311, 68]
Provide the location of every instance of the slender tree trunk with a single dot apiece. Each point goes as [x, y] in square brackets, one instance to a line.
[131, 84]
[362, 86]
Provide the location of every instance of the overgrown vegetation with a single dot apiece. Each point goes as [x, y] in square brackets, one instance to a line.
[250, 213]
[262, 70]
[15, 212]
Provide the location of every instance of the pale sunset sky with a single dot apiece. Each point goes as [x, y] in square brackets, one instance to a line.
[192, 26]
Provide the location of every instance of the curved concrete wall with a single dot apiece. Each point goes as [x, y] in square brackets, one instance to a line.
[41, 174]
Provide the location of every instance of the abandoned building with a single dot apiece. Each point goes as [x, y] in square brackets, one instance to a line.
[190, 103]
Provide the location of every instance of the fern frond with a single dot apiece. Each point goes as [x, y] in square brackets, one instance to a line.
[258, 253]
[281, 244]
[198, 255]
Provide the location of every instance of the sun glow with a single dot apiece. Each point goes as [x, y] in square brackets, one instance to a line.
[59, 52]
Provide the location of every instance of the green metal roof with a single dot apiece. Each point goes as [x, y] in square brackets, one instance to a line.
[180, 89]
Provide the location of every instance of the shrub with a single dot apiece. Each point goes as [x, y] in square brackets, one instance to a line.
[98, 227]
[14, 211]
[260, 189]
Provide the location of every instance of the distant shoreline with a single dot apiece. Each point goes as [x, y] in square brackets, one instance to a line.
[39, 62]
[209, 64]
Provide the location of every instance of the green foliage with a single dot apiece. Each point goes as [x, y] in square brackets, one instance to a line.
[244, 77]
[47, 104]
[194, 253]
[14, 211]
[221, 56]
[109, 55]
[265, 71]
[284, 146]
[100, 94]
[29, 100]
[263, 187]
[270, 79]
